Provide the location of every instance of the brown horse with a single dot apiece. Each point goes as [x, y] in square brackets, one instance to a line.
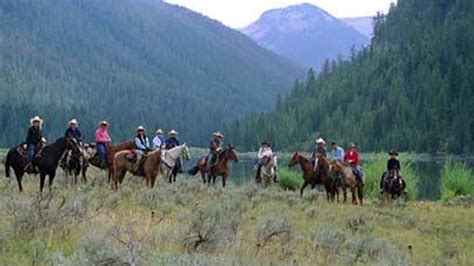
[221, 167]
[122, 165]
[347, 179]
[110, 150]
[311, 177]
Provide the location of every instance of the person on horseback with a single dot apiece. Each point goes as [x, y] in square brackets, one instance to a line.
[393, 166]
[352, 157]
[158, 141]
[33, 139]
[73, 131]
[337, 153]
[215, 147]
[319, 151]
[171, 143]
[142, 147]
[264, 151]
[102, 140]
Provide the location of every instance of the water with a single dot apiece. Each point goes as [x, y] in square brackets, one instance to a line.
[428, 169]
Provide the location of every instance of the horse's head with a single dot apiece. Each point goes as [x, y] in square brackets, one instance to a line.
[294, 160]
[231, 153]
[185, 152]
[71, 144]
[88, 151]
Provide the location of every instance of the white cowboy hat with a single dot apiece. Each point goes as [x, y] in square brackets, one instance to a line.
[104, 123]
[36, 119]
[173, 132]
[218, 134]
[140, 128]
[159, 131]
[320, 140]
[73, 122]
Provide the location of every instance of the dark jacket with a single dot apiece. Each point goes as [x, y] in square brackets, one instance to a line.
[393, 164]
[73, 134]
[171, 143]
[213, 145]
[34, 135]
[319, 150]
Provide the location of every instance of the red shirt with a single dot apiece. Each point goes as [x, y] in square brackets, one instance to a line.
[352, 156]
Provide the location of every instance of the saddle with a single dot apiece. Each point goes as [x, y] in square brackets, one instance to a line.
[22, 150]
[131, 156]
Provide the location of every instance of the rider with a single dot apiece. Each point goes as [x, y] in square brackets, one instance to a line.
[73, 131]
[215, 147]
[352, 157]
[102, 140]
[171, 143]
[393, 164]
[319, 151]
[337, 153]
[158, 141]
[33, 139]
[264, 151]
[142, 146]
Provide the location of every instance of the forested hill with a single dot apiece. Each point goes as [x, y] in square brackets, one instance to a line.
[411, 89]
[130, 62]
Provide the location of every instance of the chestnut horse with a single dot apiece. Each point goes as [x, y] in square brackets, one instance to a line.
[122, 165]
[110, 150]
[221, 168]
[347, 179]
[311, 177]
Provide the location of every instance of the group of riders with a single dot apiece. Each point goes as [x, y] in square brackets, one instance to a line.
[35, 142]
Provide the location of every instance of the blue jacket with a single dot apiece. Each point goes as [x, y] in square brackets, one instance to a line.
[171, 143]
[73, 134]
[337, 154]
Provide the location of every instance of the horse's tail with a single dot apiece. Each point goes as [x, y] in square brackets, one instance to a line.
[194, 171]
[7, 167]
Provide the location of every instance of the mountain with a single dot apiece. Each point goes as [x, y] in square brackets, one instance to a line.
[130, 62]
[364, 25]
[305, 34]
[411, 89]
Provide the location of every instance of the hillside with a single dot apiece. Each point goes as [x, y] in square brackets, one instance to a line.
[305, 34]
[129, 62]
[411, 89]
[363, 25]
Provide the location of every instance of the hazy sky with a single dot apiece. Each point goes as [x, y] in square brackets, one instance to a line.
[239, 13]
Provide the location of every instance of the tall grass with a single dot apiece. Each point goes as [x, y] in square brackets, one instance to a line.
[289, 179]
[375, 168]
[456, 180]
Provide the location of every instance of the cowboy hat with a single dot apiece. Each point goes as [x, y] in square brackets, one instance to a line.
[36, 119]
[103, 123]
[218, 134]
[140, 128]
[393, 153]
[320, 140]
[173, 132]
[73, 122]
[159, 131]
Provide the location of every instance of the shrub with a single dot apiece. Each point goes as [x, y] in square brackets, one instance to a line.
[273, 227]
[329, 238]
[367, 249]
[289, 180]
[376, 167]
[456, 180]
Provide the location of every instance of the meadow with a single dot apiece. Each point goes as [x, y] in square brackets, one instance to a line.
[188, 223]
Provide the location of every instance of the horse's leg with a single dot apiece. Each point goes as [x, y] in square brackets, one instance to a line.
[344, 194]
[224, 179]
[51, 179]
[203, 176]
[305, 184]
[83, 172]
[353, 192]
[360, 193]
[19, 177]
[42, 180]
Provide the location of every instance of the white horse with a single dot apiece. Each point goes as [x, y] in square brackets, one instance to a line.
[268, 169]
[169, 158]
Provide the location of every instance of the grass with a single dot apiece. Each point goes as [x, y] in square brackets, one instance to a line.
[457, 179]
[377, 165]
[289, 179]
[188, 223]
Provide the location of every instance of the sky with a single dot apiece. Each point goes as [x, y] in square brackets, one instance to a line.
[240, 13]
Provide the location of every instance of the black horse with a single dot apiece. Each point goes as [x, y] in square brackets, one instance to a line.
[17, 159]
[74, 162]
[393, 184]
[46, 161]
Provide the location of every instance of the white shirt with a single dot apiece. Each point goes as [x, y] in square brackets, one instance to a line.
[157, 142]
[262, 152]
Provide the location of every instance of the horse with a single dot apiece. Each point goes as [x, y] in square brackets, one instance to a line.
[393, 185]
[268, 169]
[76, 162]
[312, 177]
[347, 179]
[169, 159]
[221, 167]
[48, 160]
[110, 150]
[17, 158]
[122, 165]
